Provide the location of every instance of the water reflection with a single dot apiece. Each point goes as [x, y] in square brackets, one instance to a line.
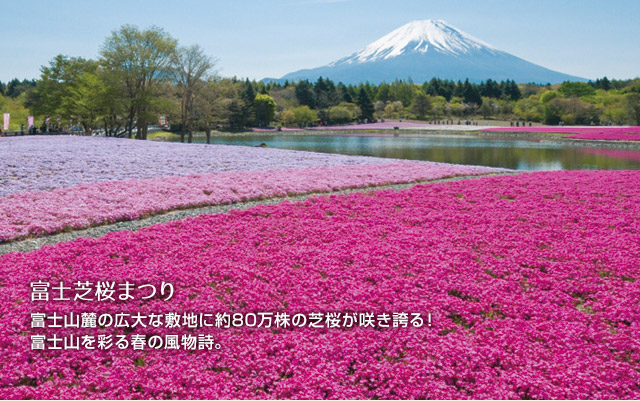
[522, 153]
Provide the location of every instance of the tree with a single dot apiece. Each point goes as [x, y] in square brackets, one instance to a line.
[384, 92]
[341, 113]
[302, 116]
[325, 94]
[632, 103]
[85, 100]
[265, 109]
[191, 70]
[485, 109]
[304, 94]
[344, 94]
[57, 84]
[490, 89]
[421, 105]
[553, 110]
[366, 107]
[15, 88]
[287, 118]
[140, 60]
[285, 98]
[548, 95]
[510, 90]
[393, 110]
[470, 93]
[248, 96]
[579, 89]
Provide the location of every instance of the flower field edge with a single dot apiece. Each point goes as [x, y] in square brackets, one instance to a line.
[33, 214]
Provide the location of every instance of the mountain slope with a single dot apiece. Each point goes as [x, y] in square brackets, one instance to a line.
[425, 49]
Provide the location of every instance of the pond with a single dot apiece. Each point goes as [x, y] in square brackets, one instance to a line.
[521, 153]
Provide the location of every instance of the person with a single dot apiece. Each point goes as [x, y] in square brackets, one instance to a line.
[21, 129]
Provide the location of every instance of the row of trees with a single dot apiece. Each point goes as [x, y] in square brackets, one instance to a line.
[602, 101]
[141, 75]
[15, 87]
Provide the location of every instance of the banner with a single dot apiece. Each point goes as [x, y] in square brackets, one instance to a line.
[6, 122]
[30, 122]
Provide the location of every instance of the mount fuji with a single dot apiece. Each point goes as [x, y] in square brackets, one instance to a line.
[425, 49]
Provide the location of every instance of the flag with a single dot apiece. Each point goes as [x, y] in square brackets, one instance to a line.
[30, 121]
[6, 122]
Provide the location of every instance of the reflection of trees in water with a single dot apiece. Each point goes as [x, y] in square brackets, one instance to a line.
[458, 152]
[611, 153]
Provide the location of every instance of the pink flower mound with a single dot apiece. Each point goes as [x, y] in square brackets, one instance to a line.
[44, 212]
[580, 132]
[532, 282]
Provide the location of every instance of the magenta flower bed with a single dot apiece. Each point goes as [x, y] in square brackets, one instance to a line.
[532, 283]
[44, 212]
[581, 132]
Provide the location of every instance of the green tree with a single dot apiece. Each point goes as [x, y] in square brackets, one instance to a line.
[344, 93]
[325, 94]
[510, 90]
[140, 60]
[304, 94]
[632, 103]
[191, 68]
[470, 93]
[265, 109]
[366, 107]
[579, 89]
[58, 83]
[304, 116]
[341, 114]
[85, 100]
[548, 95]
[485, 110]
[384, 92]
[248, 96]
[421, 105]
[15, 87]
[553, 111]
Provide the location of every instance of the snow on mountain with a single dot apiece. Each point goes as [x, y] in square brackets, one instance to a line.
[418, 37]
[425, 49]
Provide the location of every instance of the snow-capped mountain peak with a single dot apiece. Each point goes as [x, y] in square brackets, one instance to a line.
[422, 50]
[418, 37]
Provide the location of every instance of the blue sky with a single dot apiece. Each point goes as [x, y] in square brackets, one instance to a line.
[258, 39]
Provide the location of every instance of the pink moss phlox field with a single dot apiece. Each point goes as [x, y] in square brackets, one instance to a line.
[38, 163]
[44, 212]
[532, 280]
[581, 132]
